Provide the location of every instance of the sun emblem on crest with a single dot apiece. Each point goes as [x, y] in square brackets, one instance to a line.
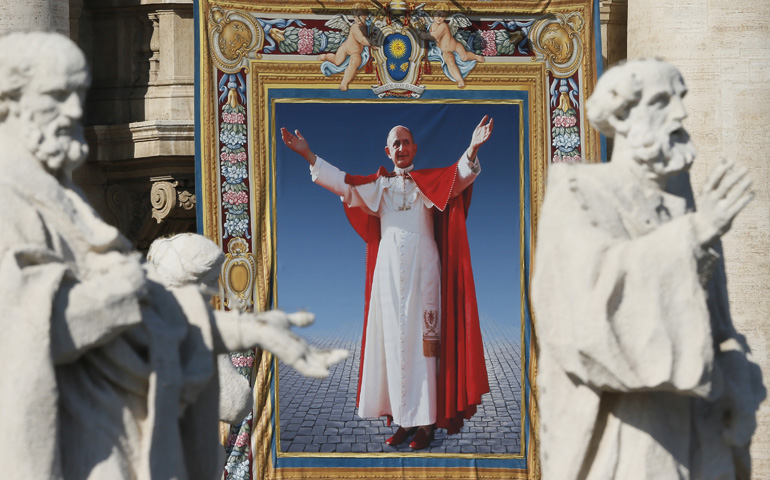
[397, 48]
[398, 62]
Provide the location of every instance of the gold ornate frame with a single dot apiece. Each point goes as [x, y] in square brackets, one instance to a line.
[530, 76]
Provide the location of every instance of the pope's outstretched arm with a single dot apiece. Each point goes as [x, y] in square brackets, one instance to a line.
[468, 167]
[298, 144]
[480, 135]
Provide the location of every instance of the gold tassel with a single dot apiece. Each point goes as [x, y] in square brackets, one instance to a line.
[232, 98]
[224, 433]
[278, 35]
[431, 348]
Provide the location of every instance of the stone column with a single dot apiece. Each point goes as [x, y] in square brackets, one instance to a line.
[613, 15]
[723, 51]
[47, 15]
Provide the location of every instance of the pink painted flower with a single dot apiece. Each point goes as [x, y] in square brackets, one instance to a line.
[488, 43]
[235, 198]
[233, 118]
[234, 158]
[305, 46]
[243, 361]
[243, 439]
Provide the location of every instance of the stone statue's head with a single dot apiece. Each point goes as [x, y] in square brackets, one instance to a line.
[642, 101]
[187, 259]
[43, 80]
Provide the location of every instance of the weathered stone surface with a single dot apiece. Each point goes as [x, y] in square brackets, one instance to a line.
[641, 372]
[723, 49]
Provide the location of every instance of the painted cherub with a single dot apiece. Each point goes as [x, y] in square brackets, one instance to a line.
[442, 33]
[352, 50]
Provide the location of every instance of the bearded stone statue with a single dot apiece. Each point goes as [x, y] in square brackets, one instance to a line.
[108, 368]
[641, 373]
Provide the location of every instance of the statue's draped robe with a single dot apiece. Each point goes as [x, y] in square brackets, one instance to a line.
[96, 386]
[638, 361]
[406, 294]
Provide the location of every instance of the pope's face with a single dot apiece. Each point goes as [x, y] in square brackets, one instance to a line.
[401, 147]
[656, 133]
[51, 110]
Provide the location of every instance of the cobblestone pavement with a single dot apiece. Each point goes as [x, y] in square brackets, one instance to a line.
[320, 415]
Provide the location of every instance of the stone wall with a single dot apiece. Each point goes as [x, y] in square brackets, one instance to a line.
[723, 51]
[139, 114]
[46, 15]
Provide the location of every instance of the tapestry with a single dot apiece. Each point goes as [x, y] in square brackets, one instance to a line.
[341, 75]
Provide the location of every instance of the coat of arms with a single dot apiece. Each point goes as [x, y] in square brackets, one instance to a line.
[398, 62]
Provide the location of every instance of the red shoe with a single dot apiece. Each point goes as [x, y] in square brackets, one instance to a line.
[421, 439]
[400, 436]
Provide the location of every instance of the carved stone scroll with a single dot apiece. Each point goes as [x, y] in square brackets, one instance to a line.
[167, 196]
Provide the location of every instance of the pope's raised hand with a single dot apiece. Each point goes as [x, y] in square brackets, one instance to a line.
[480, 135]
[298, 144]
[482, 132]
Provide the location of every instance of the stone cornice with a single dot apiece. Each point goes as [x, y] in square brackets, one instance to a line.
[152, 138]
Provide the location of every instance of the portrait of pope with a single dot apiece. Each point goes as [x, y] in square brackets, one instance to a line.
[421, 350]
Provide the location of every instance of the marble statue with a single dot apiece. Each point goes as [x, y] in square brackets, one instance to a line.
[641, 373]
[106, 372]
[190, 259]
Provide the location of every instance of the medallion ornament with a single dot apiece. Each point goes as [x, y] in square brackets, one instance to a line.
[557, 41]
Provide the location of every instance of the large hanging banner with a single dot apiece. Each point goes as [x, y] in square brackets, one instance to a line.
[343, 73]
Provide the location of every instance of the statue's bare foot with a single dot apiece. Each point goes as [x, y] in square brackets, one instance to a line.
[480, 59]
[322, 56]
[461, 83]
[343, 87]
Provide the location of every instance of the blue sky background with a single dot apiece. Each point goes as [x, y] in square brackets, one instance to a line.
[321, 257]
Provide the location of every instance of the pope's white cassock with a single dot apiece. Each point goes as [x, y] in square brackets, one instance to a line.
[397, 378]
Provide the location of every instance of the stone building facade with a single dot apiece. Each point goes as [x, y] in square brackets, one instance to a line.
[139, 111]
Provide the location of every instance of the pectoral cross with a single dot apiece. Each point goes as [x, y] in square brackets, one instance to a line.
[403, 207]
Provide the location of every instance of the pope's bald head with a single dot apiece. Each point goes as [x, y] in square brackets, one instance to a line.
[400, 147]
[397, 129]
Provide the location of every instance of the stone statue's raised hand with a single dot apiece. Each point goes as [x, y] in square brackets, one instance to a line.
[725, 194]
[271, 331]
[315, 362]
[280, 319]
[297, 143]
[480, 135]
